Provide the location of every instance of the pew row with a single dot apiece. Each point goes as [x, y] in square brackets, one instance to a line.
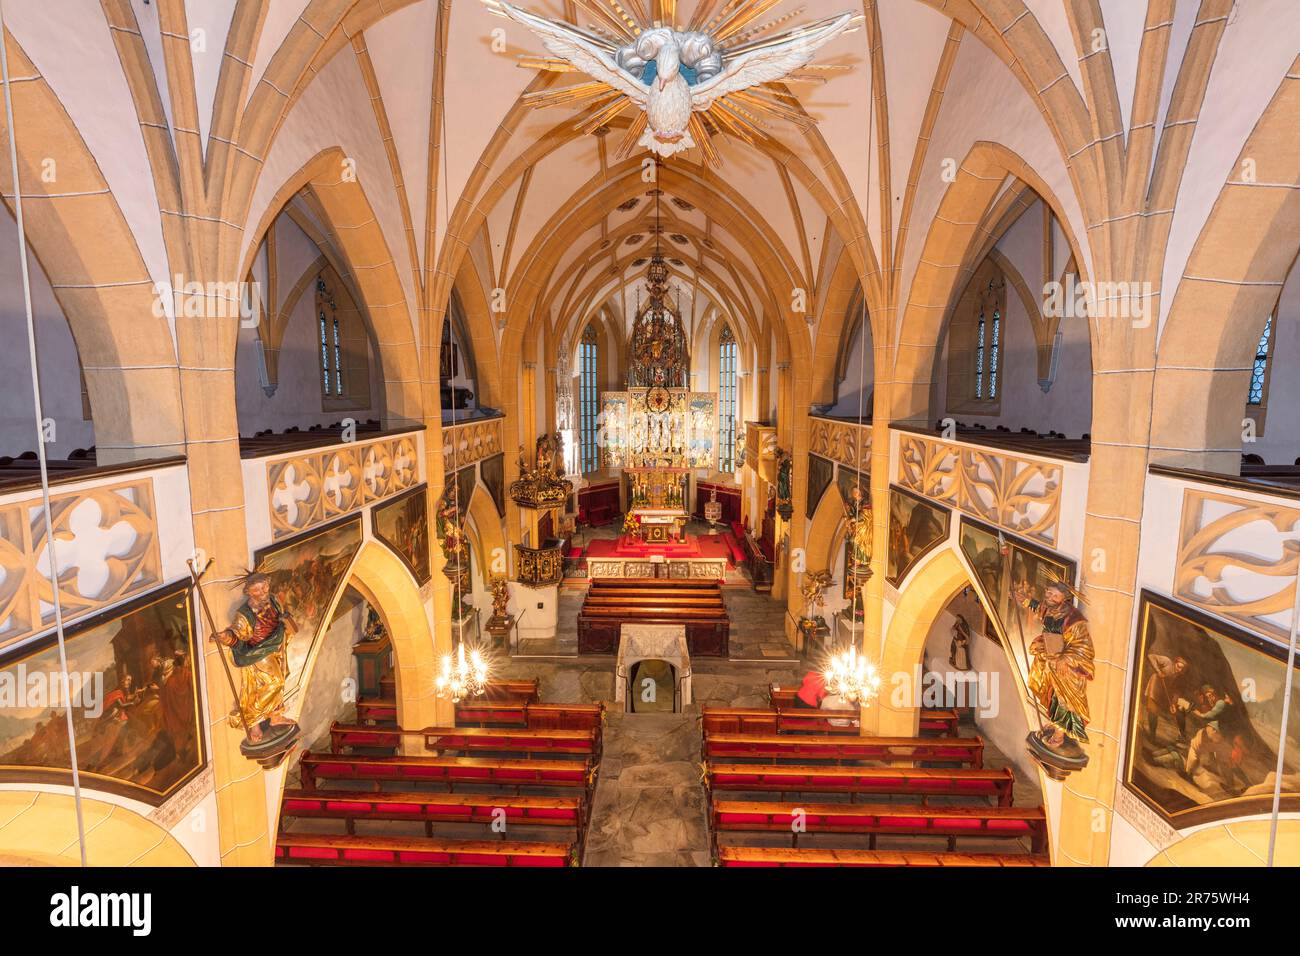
[430, 808]
[935, 720]
[512, 691]
[894, 781]
[760, 720]
[329, 849]
[728, 816]
[499, 714]
[448, 771]
[784, 856]
[841, 747]
[531, 743]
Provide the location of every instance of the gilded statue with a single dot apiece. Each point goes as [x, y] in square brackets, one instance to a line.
[258, 639]
[1060, 670]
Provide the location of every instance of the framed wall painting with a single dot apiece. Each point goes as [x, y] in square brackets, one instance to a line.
[134, 693]
[492, 472]
[306, 573]
[1205, 717]
[1002, 564]
[916, 527]
[402, 523]
[821, 471]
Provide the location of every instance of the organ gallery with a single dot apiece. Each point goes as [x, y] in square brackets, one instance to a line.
[650, 434]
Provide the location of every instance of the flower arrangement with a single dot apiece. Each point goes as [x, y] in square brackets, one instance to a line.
[631, 524]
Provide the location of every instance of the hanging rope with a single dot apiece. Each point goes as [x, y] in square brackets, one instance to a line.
[40, 444]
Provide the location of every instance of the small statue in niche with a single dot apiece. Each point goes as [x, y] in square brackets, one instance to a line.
[784, 484]
[959, 647]
[861, 544]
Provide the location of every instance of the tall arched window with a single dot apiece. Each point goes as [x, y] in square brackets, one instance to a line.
[1259, 371]
[588, 407]
[975, 344]
[331, 342]
[727, 400]
[988, 342]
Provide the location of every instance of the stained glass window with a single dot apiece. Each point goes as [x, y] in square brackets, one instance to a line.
[1259, 370]
[588, 408]
[988, 344]
[331, 342]
[727, 398]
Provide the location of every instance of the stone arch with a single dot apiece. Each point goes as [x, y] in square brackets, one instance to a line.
[384, 581]
[36, 820]
[372, 271]
[1232, 279]
[957, 227]
[98, 276]
[932, 586]
[488, 524]
[824, 529]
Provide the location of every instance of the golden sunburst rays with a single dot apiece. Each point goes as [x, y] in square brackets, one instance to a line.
[737, 27]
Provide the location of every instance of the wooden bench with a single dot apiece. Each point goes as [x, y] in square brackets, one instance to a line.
[448, 771]
[327, 849]
[762, 720]
[784, 856]
[796, 819]
[351, 806]
[902, 781]
[841, 747]
[941, 721]
[499, 714]
[612, 602]
[526, 741]
[519, 691]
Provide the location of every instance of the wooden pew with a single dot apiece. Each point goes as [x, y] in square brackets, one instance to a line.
[448, 771]
[942, 721]
[328, 849]
[612, 602]
[519, 691]
[430, 808]
[733, 816]
[903, 781]
[841, 747]
[762, 720]
[499, 714]
[784, 856]
[585, 743]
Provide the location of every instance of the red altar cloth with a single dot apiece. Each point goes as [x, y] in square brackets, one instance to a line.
[695, 546]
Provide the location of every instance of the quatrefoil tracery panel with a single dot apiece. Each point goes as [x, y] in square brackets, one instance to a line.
[308, 490]
[105, 550]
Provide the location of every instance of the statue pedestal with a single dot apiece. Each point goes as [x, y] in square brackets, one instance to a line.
[499, 629]
[812, 637]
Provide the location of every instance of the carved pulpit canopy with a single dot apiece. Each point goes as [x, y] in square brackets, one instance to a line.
[542, 487]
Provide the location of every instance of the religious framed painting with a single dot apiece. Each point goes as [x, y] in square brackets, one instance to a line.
[306, 573]
[1205, 717]
[402, 523]
[133, 692]
[492, 472]
[1012, 577]
[916, 527]
[821, 471]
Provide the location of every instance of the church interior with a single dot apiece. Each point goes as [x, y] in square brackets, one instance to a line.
[650, 433]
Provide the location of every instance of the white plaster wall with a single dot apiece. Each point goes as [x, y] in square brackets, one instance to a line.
[325, 700]
[56, 355]
[297, 399]
[853, 394]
